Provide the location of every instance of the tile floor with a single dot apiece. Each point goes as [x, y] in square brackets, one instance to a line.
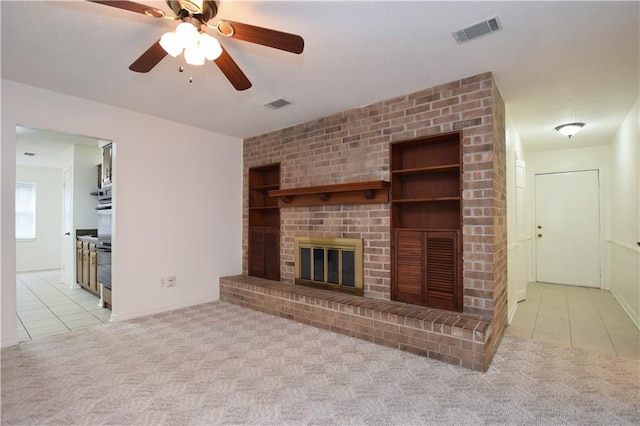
[46, 307]
[579, 317]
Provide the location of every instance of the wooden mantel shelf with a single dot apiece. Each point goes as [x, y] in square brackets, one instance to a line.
[370, 192]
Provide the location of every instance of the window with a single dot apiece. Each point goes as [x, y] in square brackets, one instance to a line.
[25, 210]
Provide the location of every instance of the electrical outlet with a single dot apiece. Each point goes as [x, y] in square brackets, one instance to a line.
[171, 281]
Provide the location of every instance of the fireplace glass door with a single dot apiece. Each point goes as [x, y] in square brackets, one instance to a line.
[333, 263]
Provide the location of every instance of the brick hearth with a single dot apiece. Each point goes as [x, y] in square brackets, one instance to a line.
[451, 337]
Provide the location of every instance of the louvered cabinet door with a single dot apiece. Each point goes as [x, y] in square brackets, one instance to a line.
[272, 254]
[409, 267]
[443, 287]
[256, 251]
[264, 252]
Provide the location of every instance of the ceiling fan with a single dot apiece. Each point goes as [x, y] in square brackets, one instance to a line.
[197, 45]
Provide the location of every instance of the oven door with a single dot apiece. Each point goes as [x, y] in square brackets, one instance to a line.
[104, 265]
[104, 224]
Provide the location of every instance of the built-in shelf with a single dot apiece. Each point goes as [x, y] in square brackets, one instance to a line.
[425, 200]
[264, 223]
[370, 192]
[442, 168]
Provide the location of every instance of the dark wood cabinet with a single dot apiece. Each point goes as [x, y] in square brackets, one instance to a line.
[264, 223]
[426, 222]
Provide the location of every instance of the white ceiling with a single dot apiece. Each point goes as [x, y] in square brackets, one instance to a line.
[47, 146]
[554, 62]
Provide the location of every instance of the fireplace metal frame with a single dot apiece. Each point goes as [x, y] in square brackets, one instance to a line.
[342, 244]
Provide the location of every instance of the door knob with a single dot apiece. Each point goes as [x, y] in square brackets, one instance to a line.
[67, 233]
[539, 235]
[539, 226]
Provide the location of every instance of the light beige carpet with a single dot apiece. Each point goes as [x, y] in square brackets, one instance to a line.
[222, 364]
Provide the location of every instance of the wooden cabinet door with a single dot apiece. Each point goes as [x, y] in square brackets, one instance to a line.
[409, 267]
[85, 264]
[256, 252]
[78, 261]
[264, 252]
[272, 254]
[426, 269]
[93, 270]
[443, 288]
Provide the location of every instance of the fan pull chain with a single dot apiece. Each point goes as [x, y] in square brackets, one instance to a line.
[181, 69]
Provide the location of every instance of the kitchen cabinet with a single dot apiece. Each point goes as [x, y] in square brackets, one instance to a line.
[87, 263]
[426, 222]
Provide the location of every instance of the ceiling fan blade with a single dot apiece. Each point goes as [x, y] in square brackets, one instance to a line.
[266, 37]
[232, 71]
[127, 5]
[149, 59]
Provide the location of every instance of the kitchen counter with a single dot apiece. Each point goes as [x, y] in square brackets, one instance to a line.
[88, 238]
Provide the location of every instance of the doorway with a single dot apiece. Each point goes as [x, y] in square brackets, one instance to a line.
[567, 234]
[63, 168]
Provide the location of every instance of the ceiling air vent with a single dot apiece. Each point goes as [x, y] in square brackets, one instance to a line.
[477, 30]
[277, 104]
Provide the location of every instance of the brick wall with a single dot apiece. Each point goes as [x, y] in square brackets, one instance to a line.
[353, 146]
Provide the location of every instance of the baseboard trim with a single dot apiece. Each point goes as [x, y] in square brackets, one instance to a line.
[627, 309]
[125, 316]
[512, 313]
[9, 342]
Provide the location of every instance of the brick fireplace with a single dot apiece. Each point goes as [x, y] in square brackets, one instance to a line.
[353, 146]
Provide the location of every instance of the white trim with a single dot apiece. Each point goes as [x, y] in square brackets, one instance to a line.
[9, 343]
[512, 246]
[131, 315]
[627, 309]
[512, 312]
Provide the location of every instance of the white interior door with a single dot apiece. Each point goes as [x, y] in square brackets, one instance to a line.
[521, 232]
[68, 239]
[568, 228]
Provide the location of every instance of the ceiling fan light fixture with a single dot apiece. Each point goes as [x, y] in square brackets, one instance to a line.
[210, 47]
[187, 35]
[170, 44]
[570, 129]
[193, 6]
[225, 28]
[194, 56]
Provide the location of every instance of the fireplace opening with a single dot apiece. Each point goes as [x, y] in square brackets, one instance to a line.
[330, 263]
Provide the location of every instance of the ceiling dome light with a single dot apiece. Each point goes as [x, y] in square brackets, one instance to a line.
[210, 47]
[169, 42]
[570, 129]
[187, 35]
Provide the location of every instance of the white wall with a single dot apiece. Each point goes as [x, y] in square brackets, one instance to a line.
[44, 251]
[591, 158]
[625, 211]
[515, 151]
[178, 206]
